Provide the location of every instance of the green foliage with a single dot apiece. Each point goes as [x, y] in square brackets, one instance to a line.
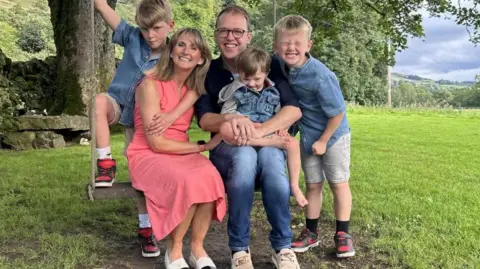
[7, 42]
[30, 38]
[198, 14]
[352, 46]
[397, 19]
[14, 18]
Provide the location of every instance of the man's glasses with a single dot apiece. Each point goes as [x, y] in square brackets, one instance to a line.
[237, 33]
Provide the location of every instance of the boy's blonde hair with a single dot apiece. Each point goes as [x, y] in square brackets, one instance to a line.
[293, 23]
[150, 12]
[253, 60]
[163, 70]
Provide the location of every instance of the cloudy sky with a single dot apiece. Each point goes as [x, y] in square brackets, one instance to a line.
[444, 53]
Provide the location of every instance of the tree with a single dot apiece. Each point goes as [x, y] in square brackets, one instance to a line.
[104, 51]
[73, 27]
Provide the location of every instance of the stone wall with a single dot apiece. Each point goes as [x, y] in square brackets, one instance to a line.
[27, 91]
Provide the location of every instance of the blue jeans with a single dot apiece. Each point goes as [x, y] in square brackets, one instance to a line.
[242, 168]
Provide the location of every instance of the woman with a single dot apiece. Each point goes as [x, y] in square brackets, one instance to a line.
[181, 186]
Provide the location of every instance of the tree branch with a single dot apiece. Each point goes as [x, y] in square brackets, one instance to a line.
[372, 6]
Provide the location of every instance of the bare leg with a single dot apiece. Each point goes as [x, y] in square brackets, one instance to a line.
[104, 113]
[175, 242]
[342, 200]
[315, 199]
[293, 163]
[141, 206]
[200, 224]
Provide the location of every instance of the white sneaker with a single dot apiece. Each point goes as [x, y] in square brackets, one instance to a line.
[285, 259]
[242, 260]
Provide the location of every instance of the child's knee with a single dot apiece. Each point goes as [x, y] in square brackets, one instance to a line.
[315, 187]
[101, 103]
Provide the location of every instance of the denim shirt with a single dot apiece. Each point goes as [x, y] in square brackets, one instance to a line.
[320, 98]
[257, 106]
[136, 60]
[218, 77]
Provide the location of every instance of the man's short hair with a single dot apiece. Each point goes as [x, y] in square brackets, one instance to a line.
[150, 12]
[253, 60]
[234, 9]
[293, 23]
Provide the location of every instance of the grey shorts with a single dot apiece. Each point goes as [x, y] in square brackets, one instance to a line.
[117, 113]
[334, 165]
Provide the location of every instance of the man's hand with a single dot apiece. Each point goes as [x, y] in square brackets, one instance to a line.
[243, 130]
[160, 123]
[319, 147]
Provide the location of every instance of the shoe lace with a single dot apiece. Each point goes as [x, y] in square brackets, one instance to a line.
[343, 240]
[287, 257]
[104, 171]
[242, 260]
[151, 240]
[304, 235]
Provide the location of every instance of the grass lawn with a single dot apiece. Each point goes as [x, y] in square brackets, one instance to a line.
[415, 182]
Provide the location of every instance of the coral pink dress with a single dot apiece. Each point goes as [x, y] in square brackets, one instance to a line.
[172, 183]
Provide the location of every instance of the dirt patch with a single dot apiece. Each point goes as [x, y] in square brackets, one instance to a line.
[127, 254]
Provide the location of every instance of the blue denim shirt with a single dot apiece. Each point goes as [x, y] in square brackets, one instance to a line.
[320, 98]
[136, 60]
[257, 106]
[218, 77]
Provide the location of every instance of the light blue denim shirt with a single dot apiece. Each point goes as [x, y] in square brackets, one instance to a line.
[136, 60]
[320, 98]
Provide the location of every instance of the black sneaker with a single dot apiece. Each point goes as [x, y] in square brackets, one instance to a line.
[306, 241]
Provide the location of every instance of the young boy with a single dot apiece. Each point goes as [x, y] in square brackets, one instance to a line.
[252, 95]
[324, 130]
[143, 46]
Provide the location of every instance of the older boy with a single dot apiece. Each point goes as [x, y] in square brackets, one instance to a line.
[143, 46]
[325, 134]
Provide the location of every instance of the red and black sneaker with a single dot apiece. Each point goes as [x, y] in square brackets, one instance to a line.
[147, 243]
[344, 245]
[306, 241]
[106, 172]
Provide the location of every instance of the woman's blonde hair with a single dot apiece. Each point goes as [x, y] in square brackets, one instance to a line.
[163, 70]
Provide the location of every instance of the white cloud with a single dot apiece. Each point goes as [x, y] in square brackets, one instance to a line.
[445, 53]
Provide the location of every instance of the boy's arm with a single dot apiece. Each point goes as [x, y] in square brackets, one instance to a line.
[332, 125]
[332, 103]
[161, 121]
[107, 13]
[148, 100]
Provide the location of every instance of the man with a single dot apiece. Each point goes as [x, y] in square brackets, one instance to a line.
[244, 167]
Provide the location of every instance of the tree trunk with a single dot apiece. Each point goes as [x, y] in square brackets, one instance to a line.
[73, 27]
[104, 51]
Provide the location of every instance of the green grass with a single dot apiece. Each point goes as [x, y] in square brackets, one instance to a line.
[415, 183]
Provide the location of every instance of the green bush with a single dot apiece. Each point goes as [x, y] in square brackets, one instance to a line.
[30, 38]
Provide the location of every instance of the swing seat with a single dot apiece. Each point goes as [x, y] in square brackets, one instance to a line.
[119, 190]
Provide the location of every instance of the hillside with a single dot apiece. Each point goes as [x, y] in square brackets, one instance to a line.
[431, 84]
